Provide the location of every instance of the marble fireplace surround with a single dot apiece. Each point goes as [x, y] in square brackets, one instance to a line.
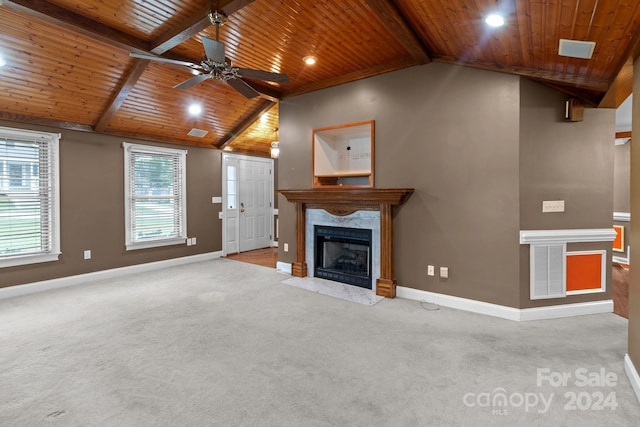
[342, 202]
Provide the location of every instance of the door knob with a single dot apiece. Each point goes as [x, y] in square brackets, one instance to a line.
[241, 207]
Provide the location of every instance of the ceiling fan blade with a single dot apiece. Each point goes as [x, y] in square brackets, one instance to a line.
[192, 81]
[263, 75]
[213, 49]
[244, 88]
[161, 59]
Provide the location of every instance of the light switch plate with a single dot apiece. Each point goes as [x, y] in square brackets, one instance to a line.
[552, 206]
[216, 200]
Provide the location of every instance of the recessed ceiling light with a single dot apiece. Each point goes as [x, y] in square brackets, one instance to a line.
[310, 60]
[494, 20]
[195, 109]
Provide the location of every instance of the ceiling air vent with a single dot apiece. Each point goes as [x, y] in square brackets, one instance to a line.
[198, 132]
[576, 48]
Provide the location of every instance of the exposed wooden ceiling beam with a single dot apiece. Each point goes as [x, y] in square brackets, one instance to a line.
[192, 26]
[266, 90]
[261, 108]
[39, 121]
[391, 17]
[622, 84]
[69, 20]
[551, 76]
[57, 124]
[197, 22]
[620, 89]
[356, 75]
[121, 94]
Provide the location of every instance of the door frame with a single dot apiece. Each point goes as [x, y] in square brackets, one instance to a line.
[236, 156]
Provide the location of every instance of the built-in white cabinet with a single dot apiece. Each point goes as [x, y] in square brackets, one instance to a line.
[343, 156]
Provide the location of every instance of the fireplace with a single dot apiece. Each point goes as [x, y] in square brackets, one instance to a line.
[343, 255]
[341, 204]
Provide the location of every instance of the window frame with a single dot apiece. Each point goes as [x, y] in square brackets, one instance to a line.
[181, 155]
[52, 182]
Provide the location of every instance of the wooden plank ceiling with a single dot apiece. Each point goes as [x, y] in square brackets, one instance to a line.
[68, 63]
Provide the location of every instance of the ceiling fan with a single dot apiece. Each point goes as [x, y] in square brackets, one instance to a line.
[215, 65]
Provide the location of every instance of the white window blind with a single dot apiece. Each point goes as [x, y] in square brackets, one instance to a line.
[155, 196]
[29, 197]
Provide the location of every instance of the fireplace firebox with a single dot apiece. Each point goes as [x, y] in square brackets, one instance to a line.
[343, 255]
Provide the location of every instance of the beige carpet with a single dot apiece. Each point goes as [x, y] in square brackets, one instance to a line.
[224, 343]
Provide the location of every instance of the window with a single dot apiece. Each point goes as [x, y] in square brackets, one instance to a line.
[155, 196]
[29, 197]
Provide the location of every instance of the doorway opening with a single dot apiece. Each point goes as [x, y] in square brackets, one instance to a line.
[247, 203]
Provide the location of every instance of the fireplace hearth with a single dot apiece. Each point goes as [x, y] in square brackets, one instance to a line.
[343, 255]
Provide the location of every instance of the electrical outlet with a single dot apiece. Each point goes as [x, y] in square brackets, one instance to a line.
[286, 247]
[444, 272]
[552, 206]
[431, 271]
[87, 254]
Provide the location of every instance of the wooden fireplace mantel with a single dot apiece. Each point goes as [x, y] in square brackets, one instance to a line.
[345, 201]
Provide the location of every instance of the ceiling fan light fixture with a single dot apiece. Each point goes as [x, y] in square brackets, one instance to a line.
[310, 60]
[494, 20]
[217, 18]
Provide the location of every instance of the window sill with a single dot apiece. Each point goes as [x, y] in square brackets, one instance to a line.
[155, 243]
[28, 259]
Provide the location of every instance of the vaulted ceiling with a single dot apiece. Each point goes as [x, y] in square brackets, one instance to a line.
[68, 63]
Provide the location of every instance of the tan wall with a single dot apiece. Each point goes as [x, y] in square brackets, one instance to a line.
[92, 208]
[621, 181]
[570, 161]
[621, 190]
[452, 134]
[634, 286]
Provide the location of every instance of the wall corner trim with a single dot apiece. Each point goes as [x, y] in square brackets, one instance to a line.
[622, 216]
[63, 282]
[285, 267]
[541, 237]
[632, 373]
[504, 312]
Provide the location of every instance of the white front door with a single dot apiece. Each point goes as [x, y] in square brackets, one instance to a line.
[255, 204]
[247, 202]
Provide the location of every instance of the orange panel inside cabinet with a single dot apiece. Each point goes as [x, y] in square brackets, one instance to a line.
[584, 271]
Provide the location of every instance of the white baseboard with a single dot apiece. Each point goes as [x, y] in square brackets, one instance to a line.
[285, 267]
[632, 373]
[503, 312]
[566, 310]
[63, 282]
